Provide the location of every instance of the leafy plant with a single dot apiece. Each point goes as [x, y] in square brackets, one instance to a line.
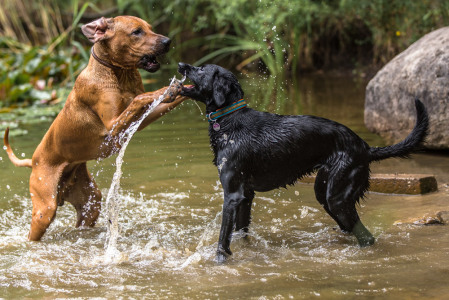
[29, 73]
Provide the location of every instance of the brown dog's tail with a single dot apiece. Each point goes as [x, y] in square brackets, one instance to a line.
[17, 162]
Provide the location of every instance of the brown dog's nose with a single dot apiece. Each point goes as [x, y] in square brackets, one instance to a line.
[166, 42]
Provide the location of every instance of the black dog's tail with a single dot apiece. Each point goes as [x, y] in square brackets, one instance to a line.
[411, 143]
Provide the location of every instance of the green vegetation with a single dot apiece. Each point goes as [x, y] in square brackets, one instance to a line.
[42, 49]
[37, 51]
[39, 59]
[294, 34]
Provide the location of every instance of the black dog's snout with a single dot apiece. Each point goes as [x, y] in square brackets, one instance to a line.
[182, 67]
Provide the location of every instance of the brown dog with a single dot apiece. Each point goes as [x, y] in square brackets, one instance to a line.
[107, 97]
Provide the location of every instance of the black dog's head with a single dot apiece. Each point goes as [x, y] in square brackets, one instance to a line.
[213, 85]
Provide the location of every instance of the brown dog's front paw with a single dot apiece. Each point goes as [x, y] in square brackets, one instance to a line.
[178, 86]
[173, 91]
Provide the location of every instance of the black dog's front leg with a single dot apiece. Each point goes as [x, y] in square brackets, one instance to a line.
[227, 224]
[233, 197]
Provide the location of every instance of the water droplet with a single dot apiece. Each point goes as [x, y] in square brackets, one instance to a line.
[23, 154]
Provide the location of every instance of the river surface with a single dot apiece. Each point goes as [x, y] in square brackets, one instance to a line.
[171, 213]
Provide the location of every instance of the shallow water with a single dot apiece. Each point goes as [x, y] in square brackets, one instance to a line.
[170, 218]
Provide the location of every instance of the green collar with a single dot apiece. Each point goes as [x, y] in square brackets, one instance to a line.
[213, 116]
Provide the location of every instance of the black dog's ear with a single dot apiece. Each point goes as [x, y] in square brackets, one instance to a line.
[221, 91]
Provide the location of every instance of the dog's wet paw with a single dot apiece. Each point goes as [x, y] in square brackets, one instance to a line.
[174, 90]
[222, 258]
[223, 255]
[178, 86]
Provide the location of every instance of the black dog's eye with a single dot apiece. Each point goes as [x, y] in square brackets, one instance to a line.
[138, 31]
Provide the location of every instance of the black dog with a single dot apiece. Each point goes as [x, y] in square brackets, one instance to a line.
[260, 151]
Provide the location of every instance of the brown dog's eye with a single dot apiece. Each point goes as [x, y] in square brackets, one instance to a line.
[138, 31]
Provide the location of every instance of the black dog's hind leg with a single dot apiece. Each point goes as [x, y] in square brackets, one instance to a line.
[343, 185]
[243, 218]
[320, 187]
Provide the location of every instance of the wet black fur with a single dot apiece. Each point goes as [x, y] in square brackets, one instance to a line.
[260, 151]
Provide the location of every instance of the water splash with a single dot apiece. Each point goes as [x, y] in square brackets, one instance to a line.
[113, 201]
[203, 248]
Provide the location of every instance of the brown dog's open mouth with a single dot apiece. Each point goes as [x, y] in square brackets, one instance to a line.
[149, 63]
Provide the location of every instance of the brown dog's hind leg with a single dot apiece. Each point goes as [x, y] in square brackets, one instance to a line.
[43, 190]
[83, 193]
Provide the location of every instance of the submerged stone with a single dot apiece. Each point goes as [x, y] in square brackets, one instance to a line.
[409, 184]
[441, 217]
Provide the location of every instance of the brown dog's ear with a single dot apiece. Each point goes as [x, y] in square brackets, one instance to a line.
[95, 31]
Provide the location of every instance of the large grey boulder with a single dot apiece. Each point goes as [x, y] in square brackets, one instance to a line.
[421, 71]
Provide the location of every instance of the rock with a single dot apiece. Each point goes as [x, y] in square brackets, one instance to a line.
[421, 71]
[411, 184]
[426, 220]
[443, 216]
